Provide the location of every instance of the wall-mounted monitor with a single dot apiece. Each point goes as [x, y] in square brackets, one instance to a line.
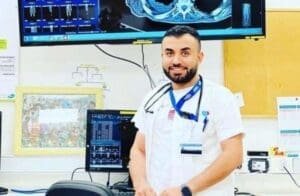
[58, 22]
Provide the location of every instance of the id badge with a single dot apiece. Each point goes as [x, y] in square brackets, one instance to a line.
[191, 148]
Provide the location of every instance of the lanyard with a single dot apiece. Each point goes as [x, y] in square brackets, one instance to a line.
[177, 106]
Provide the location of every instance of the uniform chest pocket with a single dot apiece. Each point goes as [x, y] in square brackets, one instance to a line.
[191, 139]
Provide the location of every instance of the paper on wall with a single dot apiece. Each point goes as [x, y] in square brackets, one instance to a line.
[288, 114]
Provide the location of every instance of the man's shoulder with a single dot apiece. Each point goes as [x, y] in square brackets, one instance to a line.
[157, 91]
[160, 88]
[161, 85]
[215, 88]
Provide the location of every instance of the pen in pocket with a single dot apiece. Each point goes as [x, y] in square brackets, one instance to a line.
[205, 121]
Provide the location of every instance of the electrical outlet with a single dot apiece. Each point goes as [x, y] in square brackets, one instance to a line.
[278, 163]
[282, 164]
[288, 163]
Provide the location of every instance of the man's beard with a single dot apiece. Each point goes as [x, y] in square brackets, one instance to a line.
[190, 74]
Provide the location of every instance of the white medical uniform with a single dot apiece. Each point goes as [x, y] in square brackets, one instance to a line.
[165, 132]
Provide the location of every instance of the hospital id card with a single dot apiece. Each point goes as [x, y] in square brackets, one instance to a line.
[191, 148]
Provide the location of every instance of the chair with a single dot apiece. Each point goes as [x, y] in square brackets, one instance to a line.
[78, 188]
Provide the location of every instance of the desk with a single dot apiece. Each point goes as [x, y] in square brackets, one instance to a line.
[267, 184]
[259, 184]
[256, 194]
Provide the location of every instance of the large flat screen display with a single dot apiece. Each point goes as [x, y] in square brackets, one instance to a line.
[53, 22]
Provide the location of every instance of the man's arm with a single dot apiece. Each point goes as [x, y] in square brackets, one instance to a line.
[137, 167]
[229, 159]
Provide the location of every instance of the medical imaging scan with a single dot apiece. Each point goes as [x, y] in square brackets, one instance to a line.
[145, 15]
[181, 11]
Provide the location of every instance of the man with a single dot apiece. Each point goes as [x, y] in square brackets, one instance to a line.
[190, 131]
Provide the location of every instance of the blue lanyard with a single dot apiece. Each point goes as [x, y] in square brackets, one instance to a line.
[177, 106]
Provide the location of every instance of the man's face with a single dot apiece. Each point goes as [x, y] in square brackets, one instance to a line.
[180, 58]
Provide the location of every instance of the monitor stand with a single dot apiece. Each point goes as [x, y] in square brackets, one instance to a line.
[124, 186]
[128, 186]
[129, 183]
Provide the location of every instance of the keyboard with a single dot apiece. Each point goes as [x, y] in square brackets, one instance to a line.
[122, 193]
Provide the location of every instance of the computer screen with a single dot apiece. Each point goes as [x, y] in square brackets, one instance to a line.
[110, 135]
[57, 22]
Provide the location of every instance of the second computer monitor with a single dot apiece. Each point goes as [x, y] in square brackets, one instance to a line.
[110, 135]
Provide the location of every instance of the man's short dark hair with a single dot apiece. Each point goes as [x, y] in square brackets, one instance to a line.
[179, 30]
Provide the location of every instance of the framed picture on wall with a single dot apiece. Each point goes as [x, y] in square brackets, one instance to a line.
[52, 120]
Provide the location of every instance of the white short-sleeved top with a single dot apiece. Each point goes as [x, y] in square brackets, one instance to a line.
[166, 133]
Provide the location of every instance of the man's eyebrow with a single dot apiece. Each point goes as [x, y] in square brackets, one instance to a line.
[168, 49]
[182, 49]
[186, 48]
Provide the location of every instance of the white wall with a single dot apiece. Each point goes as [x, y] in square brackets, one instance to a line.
[53, 66]
[279, 4]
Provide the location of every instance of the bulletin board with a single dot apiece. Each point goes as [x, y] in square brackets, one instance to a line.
[266, 68]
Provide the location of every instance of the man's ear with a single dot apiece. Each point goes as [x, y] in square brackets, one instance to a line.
[200, 56]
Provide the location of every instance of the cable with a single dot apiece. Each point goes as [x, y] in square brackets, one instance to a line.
[116, 57]
[108, 179]
[291, 176]
[143, 55]
[236, 192]
[146, 68]
[143, 66]
[73, 172]
[33, 191]
[244, 193]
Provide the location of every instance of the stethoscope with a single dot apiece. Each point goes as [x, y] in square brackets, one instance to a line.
[177, 106]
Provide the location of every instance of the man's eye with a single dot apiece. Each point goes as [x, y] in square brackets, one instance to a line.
[169, 53]
[185, 53]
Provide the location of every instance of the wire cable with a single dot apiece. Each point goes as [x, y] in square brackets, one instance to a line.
[108, 179]
[237, 192]
[78, 168]
[33, 191]
[146, 68]
[143, 55]
[116, 57]
[291, 176]
[143, 66]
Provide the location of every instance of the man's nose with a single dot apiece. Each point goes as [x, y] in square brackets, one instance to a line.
[176, 60]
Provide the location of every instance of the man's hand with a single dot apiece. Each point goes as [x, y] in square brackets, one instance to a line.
[173, 191]
[144, 190]
[137, 167]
